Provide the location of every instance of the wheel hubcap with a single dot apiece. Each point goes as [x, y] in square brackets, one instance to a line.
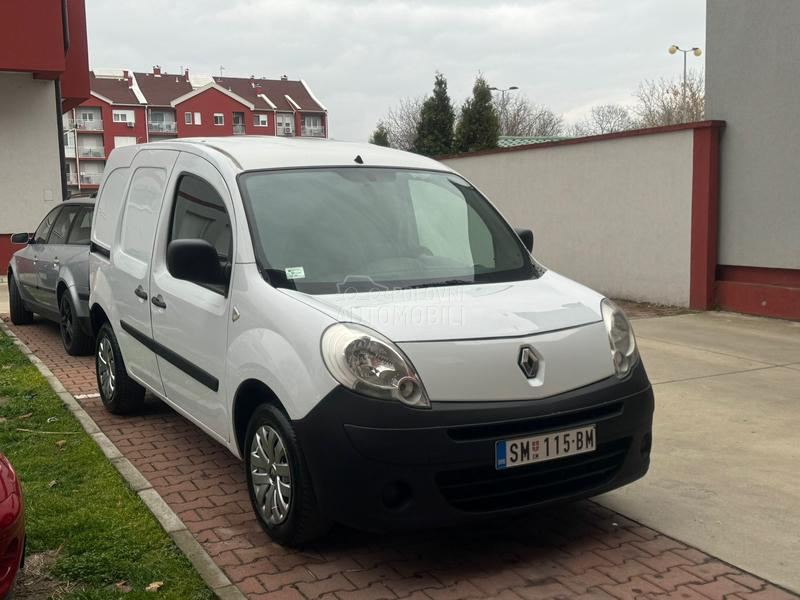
[270, 475]
[106, 367]
[66, 321]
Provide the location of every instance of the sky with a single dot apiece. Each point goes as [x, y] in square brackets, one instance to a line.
[361, 56]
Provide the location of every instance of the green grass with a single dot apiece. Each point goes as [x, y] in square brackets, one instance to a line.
[104, 531]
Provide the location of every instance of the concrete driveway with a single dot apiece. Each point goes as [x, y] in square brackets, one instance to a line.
[725, 475]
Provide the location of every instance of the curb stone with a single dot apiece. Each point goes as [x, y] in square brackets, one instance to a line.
[172, 524]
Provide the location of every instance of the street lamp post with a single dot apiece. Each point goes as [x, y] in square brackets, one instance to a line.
[697, 52]
[503, 103]
[503, 92]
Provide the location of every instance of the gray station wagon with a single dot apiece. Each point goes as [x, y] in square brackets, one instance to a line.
[50, 275]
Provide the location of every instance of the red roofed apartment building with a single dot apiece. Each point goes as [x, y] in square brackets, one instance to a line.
[43, 72]
[131, 108]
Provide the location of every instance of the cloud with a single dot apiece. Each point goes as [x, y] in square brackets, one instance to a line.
[361, 56]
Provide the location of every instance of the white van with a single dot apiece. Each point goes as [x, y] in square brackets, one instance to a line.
[364, 329]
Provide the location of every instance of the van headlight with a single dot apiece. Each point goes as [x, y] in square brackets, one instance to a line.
[366, 362]
[620, 336]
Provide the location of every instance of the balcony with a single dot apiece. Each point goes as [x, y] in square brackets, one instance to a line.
[69, 151]
[166, 127]
[91, 152]
[313, 131]
[238, 129]
[90, 125]
[72, 179]
[91, 178]
[67, 123]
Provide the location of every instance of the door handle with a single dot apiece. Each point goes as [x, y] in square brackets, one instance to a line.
[139, 291]
[56, 262]
[158, 301]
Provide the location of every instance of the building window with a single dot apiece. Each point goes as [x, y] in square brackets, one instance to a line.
[197, 119]
[219, 119]
[122, 116]
[260, 120]
[120, 141]
[187, 118]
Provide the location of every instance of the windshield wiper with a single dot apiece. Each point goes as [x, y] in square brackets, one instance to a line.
[445, 283]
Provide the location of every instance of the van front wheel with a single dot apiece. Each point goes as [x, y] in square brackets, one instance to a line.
[278, 480]
[120, 394]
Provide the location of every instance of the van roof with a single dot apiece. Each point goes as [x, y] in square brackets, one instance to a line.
[271, 152]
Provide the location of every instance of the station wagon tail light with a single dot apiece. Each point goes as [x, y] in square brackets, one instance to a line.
[620, 336]
[366, 362]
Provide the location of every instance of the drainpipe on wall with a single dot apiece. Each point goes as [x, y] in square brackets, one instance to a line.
[77, 154]
[61, 154]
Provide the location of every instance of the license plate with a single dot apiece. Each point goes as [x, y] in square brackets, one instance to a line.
[539, 448]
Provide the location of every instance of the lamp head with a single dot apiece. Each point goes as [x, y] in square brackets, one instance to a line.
[697, 51]
[673, 49]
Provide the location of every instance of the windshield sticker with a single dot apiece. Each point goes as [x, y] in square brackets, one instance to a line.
[295, 273]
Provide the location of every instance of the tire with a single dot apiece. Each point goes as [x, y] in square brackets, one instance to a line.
[120, 394]
[20, 315]
[302, 521]
[75, 340]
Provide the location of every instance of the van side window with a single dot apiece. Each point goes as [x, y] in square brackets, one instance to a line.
[199, 213]
[142, 208]
[108, 206]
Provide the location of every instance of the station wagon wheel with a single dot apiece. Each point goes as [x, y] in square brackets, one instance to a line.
[278, 480]
[20, 315]
[76, 341]
[66, 322]
[120, 394]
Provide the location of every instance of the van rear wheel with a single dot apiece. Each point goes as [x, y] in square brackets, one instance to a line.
[20, 315]
[278, 480]
[120, 394]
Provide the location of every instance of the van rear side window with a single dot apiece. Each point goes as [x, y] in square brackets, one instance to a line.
[141, 216]
[108, 205]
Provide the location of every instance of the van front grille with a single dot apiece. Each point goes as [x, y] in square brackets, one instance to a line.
[531, 426]
[485, 489]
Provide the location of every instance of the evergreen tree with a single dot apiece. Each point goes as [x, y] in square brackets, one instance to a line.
[380, 137]
[478, 127]
[435, 128]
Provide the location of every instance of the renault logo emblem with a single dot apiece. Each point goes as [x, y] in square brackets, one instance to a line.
[528, 361]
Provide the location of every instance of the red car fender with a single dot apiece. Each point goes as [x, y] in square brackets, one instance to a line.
[12, 526]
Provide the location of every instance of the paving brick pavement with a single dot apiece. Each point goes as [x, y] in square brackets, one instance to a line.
[579, 551]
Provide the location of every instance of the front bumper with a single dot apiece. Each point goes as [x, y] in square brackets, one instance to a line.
[380, 465]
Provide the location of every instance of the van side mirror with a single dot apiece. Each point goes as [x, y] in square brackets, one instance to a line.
[526, 235]
[20, 238]
[196, 261]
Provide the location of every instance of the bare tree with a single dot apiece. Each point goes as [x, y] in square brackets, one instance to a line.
[401, 122]
[661, 101]
[604, 118]
[521, 117]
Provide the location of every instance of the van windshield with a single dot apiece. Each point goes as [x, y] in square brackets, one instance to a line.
[332, 230]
